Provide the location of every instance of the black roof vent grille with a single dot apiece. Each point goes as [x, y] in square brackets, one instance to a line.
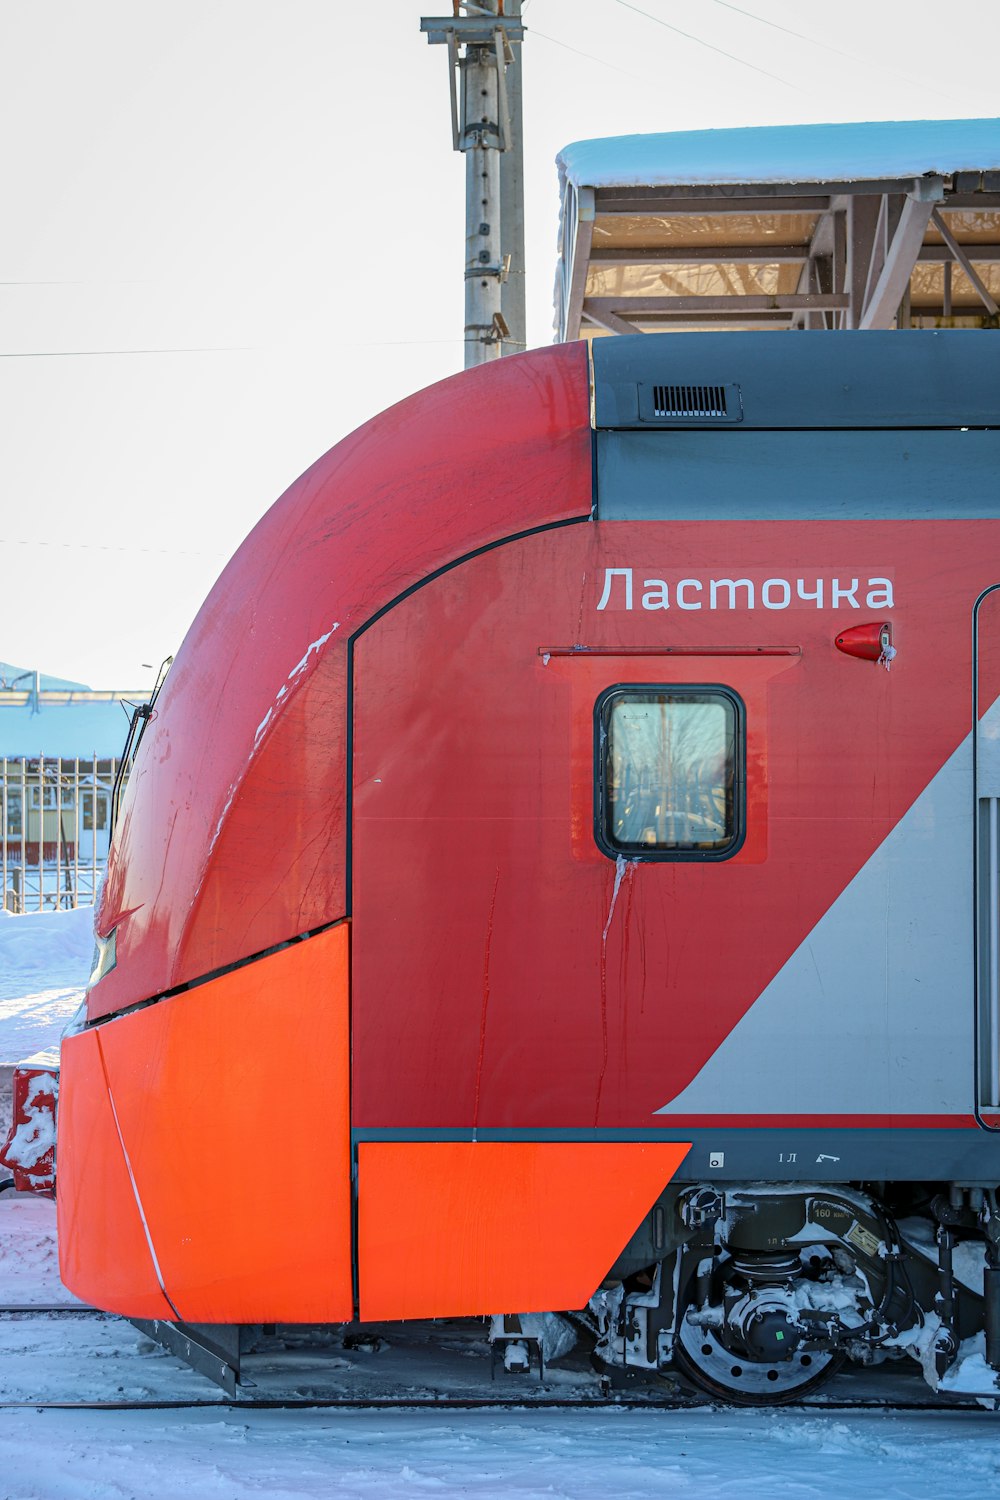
[689, 400]
[690, 403]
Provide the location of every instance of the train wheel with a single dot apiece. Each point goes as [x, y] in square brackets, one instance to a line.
[705, 1360]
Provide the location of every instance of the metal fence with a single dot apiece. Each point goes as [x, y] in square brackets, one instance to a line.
[55, 828]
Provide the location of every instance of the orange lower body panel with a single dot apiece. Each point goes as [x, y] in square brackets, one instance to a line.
[103, 1253]
[451, 1229]
[204, 1148]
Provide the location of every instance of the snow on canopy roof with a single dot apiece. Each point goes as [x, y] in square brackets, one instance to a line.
[859, 152]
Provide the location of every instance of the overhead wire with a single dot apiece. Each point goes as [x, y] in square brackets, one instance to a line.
[776, 26]
[700, 41]
[224, 348]
[752, 16]
[602, 61]
[826, 46]
[93, 353]
[16, 541]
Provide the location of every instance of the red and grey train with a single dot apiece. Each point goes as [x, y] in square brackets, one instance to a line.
[562, 871]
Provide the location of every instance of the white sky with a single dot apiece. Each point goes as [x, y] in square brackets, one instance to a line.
[272, 185]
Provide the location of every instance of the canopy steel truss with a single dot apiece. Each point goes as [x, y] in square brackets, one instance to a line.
[889, 252]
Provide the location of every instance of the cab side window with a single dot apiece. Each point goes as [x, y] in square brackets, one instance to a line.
[669, 772]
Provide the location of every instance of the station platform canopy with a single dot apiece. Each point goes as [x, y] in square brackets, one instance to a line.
[894, 224]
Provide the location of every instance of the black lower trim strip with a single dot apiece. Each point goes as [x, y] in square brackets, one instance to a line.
[194, 984]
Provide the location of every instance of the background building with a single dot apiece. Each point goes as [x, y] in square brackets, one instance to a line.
[61, 745]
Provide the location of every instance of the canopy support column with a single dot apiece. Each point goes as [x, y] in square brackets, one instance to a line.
[901, 252]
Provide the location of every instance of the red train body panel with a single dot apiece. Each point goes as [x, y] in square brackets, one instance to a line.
[213, 860]
[536, 993]
[596, 818]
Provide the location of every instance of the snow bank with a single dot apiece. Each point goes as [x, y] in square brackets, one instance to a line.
[45, 961]
[54, 947]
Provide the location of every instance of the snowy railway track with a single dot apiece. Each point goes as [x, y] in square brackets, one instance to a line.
[484, 1403]
[306, 1380]
[56, 1309]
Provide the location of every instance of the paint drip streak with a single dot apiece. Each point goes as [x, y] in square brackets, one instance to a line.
[621, 865]
[485, 1006]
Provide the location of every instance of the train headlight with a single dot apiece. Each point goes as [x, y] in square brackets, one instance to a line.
[104, 957]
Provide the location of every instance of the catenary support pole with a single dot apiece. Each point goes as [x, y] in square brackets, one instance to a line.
[479, 138]
[512, 297]
[480, 51]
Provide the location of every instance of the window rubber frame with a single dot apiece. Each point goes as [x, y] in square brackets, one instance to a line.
[671, 856]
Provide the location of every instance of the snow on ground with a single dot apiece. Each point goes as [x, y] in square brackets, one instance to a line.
[531, 1455]
[45, 960]
[209, 1450]
[29, 1257]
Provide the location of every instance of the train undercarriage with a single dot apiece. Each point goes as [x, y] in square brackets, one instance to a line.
[759, 1293]
[755, 1293]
